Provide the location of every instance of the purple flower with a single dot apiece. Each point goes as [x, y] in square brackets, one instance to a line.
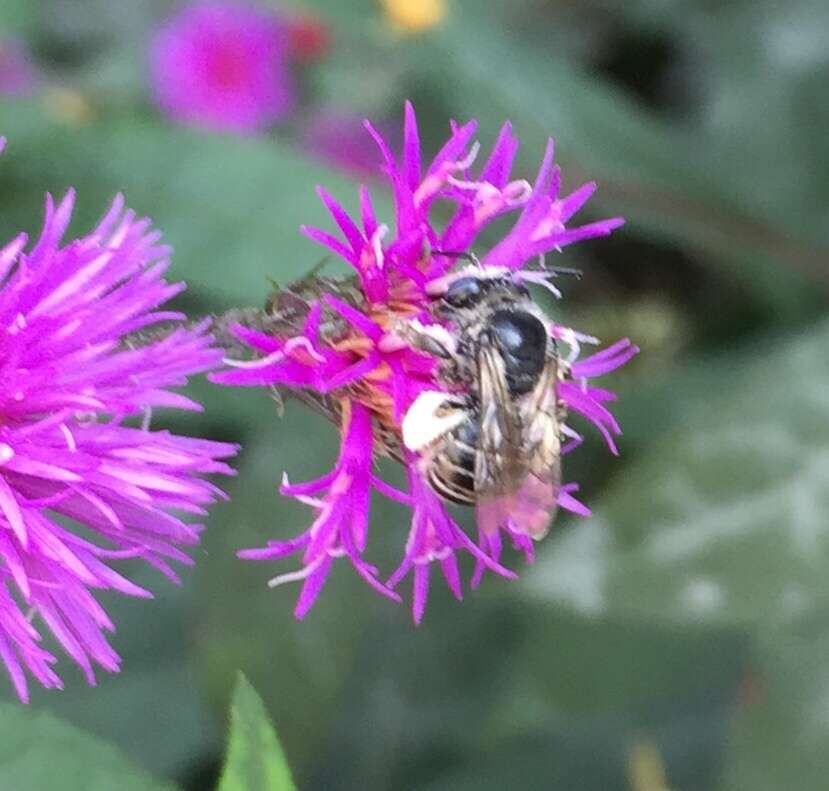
[223, 65]
[338, 138]
[354, 355]
[85, 354]
[17, 73]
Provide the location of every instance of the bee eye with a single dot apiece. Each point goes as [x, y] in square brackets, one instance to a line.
[463, 292]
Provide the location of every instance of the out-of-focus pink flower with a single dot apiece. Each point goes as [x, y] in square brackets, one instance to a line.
[350, 352]
[339, 138]
[223, 65]
[84, 481]
[17, 73]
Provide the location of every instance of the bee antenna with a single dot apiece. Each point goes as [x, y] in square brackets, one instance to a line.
[465, 254]
[565, 270]
[557, 270]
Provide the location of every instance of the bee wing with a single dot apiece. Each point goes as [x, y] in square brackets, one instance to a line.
[538, 496]
[530, 503]
[500, 463]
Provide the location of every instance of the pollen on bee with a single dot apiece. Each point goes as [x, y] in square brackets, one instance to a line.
[427, 419]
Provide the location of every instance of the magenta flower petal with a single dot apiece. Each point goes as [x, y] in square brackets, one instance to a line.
[566, 500]
[342, 517]
[329, 241]
[356, 349]
[355, 318]
[420, 592]
[77, 451]
[605, 361]
[338, 138]
[312, 586]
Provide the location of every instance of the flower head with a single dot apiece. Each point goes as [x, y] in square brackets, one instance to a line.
[223, 65]
[84, 481]
[370, 353]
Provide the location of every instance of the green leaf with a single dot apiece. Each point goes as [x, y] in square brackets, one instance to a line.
[40, 753]
[255, 761]
[723, 518]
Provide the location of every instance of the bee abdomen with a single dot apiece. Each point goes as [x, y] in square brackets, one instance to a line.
[452, 470]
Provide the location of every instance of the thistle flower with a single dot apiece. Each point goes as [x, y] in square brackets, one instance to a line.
[350, 355]
[223, 65]
[84, 481]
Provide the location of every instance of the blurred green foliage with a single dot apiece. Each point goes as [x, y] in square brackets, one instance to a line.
[40, 752]
[691, 612]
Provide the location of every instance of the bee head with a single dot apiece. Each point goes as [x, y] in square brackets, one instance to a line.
[466, 291]
[472, 285]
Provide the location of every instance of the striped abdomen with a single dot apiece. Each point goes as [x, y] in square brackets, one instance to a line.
[451, 468]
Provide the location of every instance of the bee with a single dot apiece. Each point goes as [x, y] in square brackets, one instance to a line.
[492, 440]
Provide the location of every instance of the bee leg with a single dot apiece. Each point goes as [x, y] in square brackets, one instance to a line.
[432, 346]
[279, 400]
[432, 339]
[456, 367]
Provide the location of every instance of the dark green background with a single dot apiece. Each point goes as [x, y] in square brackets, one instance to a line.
[691, 613]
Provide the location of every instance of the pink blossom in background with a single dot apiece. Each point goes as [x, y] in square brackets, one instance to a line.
[86, 354]
[17, 73]
[223, 66]
[338, 138]
[309, 38]
[350, 355]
